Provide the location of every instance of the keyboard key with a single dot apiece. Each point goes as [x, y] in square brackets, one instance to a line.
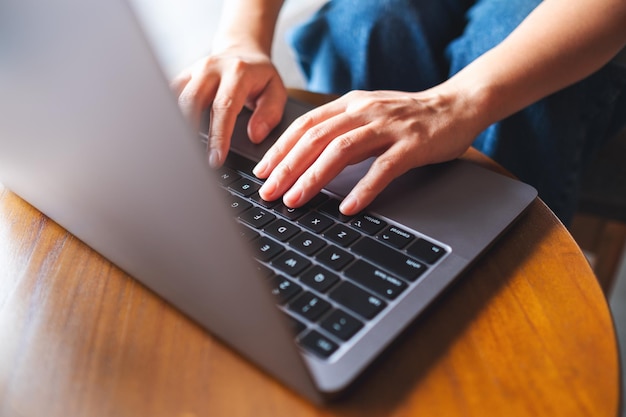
[342, 235]
[227, 176]
[263, 203]
[331, 207]
[357, 300]
[317, 200]
[266, 249]
[334, 258]
[368, 224]
[291, 263]
[246, 233]
[257, 217]
[319, 279]
[375, 279]
[309, 306]
[245, 187]
[315, 222]
[238, 204]
[426, 251]
[389, 259]
[306, 243]
[341, 324]
[396, 237]
[288, 212]
[319, 344]
[281, 230]
[284, 289]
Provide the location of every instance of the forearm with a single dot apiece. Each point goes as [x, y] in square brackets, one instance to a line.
[248, 24]
[558, 44]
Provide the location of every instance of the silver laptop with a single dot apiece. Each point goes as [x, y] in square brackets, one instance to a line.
[91, 135]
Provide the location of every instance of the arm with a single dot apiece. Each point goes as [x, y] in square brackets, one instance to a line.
[238, 72]
[248, 24]
[546, 53]
[404, 130]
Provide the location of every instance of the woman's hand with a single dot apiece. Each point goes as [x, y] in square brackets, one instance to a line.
[226, 82]
[403, 130]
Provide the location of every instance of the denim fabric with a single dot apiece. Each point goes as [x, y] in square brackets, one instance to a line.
[411, 45]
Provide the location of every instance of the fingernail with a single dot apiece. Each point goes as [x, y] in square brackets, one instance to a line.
[259, 169]
[268, 189]
[293, 196]
[348, 205]
[214, 158]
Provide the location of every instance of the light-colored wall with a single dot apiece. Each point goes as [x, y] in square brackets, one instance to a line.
[181, 31]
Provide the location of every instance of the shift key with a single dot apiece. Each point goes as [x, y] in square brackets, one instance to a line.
[388, 258]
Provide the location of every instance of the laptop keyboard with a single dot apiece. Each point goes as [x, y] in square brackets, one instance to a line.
[331, 274]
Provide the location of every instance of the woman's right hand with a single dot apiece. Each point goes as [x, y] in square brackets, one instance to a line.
[225, 82]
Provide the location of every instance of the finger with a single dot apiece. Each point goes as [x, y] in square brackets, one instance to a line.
[196, 96]
[179, 82]
[304, 153]
[268, 110]
[347, 149]
[292, 135]
[227, 105]
[384, 169]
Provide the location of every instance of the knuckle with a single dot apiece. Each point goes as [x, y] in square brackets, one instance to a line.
[218, 138]
[386, 166]
[359, 101]
[223, 102]
[208, 63]
[238, 66]
[354, 94]
[303, 122]
[314, 176]
[188, 96]
[343, 143]
[315, 136]
[277, 151]
[219, 134]
[367, 188]
[285, 169]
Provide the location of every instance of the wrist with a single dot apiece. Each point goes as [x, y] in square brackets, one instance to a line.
[470, 105]
[240, 45]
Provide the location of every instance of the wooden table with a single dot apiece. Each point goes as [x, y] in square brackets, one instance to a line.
[526, 332]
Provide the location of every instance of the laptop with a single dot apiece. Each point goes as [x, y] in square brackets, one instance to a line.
[91, 135]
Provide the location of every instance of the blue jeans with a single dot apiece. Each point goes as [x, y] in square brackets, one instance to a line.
[411, 45]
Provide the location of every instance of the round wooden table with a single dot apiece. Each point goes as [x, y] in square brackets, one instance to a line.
[525, 332]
